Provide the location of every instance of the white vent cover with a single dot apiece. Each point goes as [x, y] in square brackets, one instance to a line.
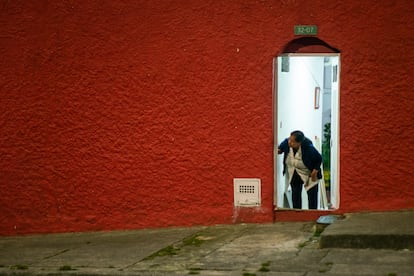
[247, 192]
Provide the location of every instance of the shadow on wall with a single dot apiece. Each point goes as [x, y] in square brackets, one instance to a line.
[308, 45]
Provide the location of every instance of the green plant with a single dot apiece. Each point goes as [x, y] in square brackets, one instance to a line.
[193, 240]
[19, 266]
[167, 251]
[318, 229]
[265, 267]
[326, 154]
[327, 268]
[194, 270]
[66, 268]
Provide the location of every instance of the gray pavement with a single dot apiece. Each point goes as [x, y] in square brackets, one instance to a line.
[293, 248]
[392, 230]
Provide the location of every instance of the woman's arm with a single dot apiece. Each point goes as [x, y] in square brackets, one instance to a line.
[317, 162]
[283, 147]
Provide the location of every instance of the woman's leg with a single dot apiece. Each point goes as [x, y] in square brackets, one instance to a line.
[296, 183]
[313, 197]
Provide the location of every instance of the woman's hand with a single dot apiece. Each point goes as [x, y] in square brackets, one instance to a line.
[314, 175]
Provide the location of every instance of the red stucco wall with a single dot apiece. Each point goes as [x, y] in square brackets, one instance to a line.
[140, 114]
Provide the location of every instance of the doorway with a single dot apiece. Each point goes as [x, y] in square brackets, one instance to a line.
[307, 99]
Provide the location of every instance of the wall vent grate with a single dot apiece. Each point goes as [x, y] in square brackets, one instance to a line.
[247, 192]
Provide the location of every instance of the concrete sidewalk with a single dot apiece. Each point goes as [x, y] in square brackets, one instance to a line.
[392, 230]
[244, 249]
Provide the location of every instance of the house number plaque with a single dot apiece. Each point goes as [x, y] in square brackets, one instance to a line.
[306, 30]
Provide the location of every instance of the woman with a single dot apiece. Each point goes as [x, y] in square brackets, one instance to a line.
[302, 162]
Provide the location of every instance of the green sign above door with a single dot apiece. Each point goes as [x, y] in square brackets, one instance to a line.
[306, 30]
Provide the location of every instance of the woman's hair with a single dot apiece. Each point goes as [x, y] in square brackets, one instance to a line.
[299, 136]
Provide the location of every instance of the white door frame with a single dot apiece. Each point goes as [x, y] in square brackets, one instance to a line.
[335, 146]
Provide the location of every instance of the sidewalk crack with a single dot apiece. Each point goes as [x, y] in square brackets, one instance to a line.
[56, 254]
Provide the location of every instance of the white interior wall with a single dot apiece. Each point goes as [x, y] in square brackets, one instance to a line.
[296, 111]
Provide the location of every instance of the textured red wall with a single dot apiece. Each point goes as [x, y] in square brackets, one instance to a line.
[140, 114]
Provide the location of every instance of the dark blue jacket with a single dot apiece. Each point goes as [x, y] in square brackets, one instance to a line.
[310, 156]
